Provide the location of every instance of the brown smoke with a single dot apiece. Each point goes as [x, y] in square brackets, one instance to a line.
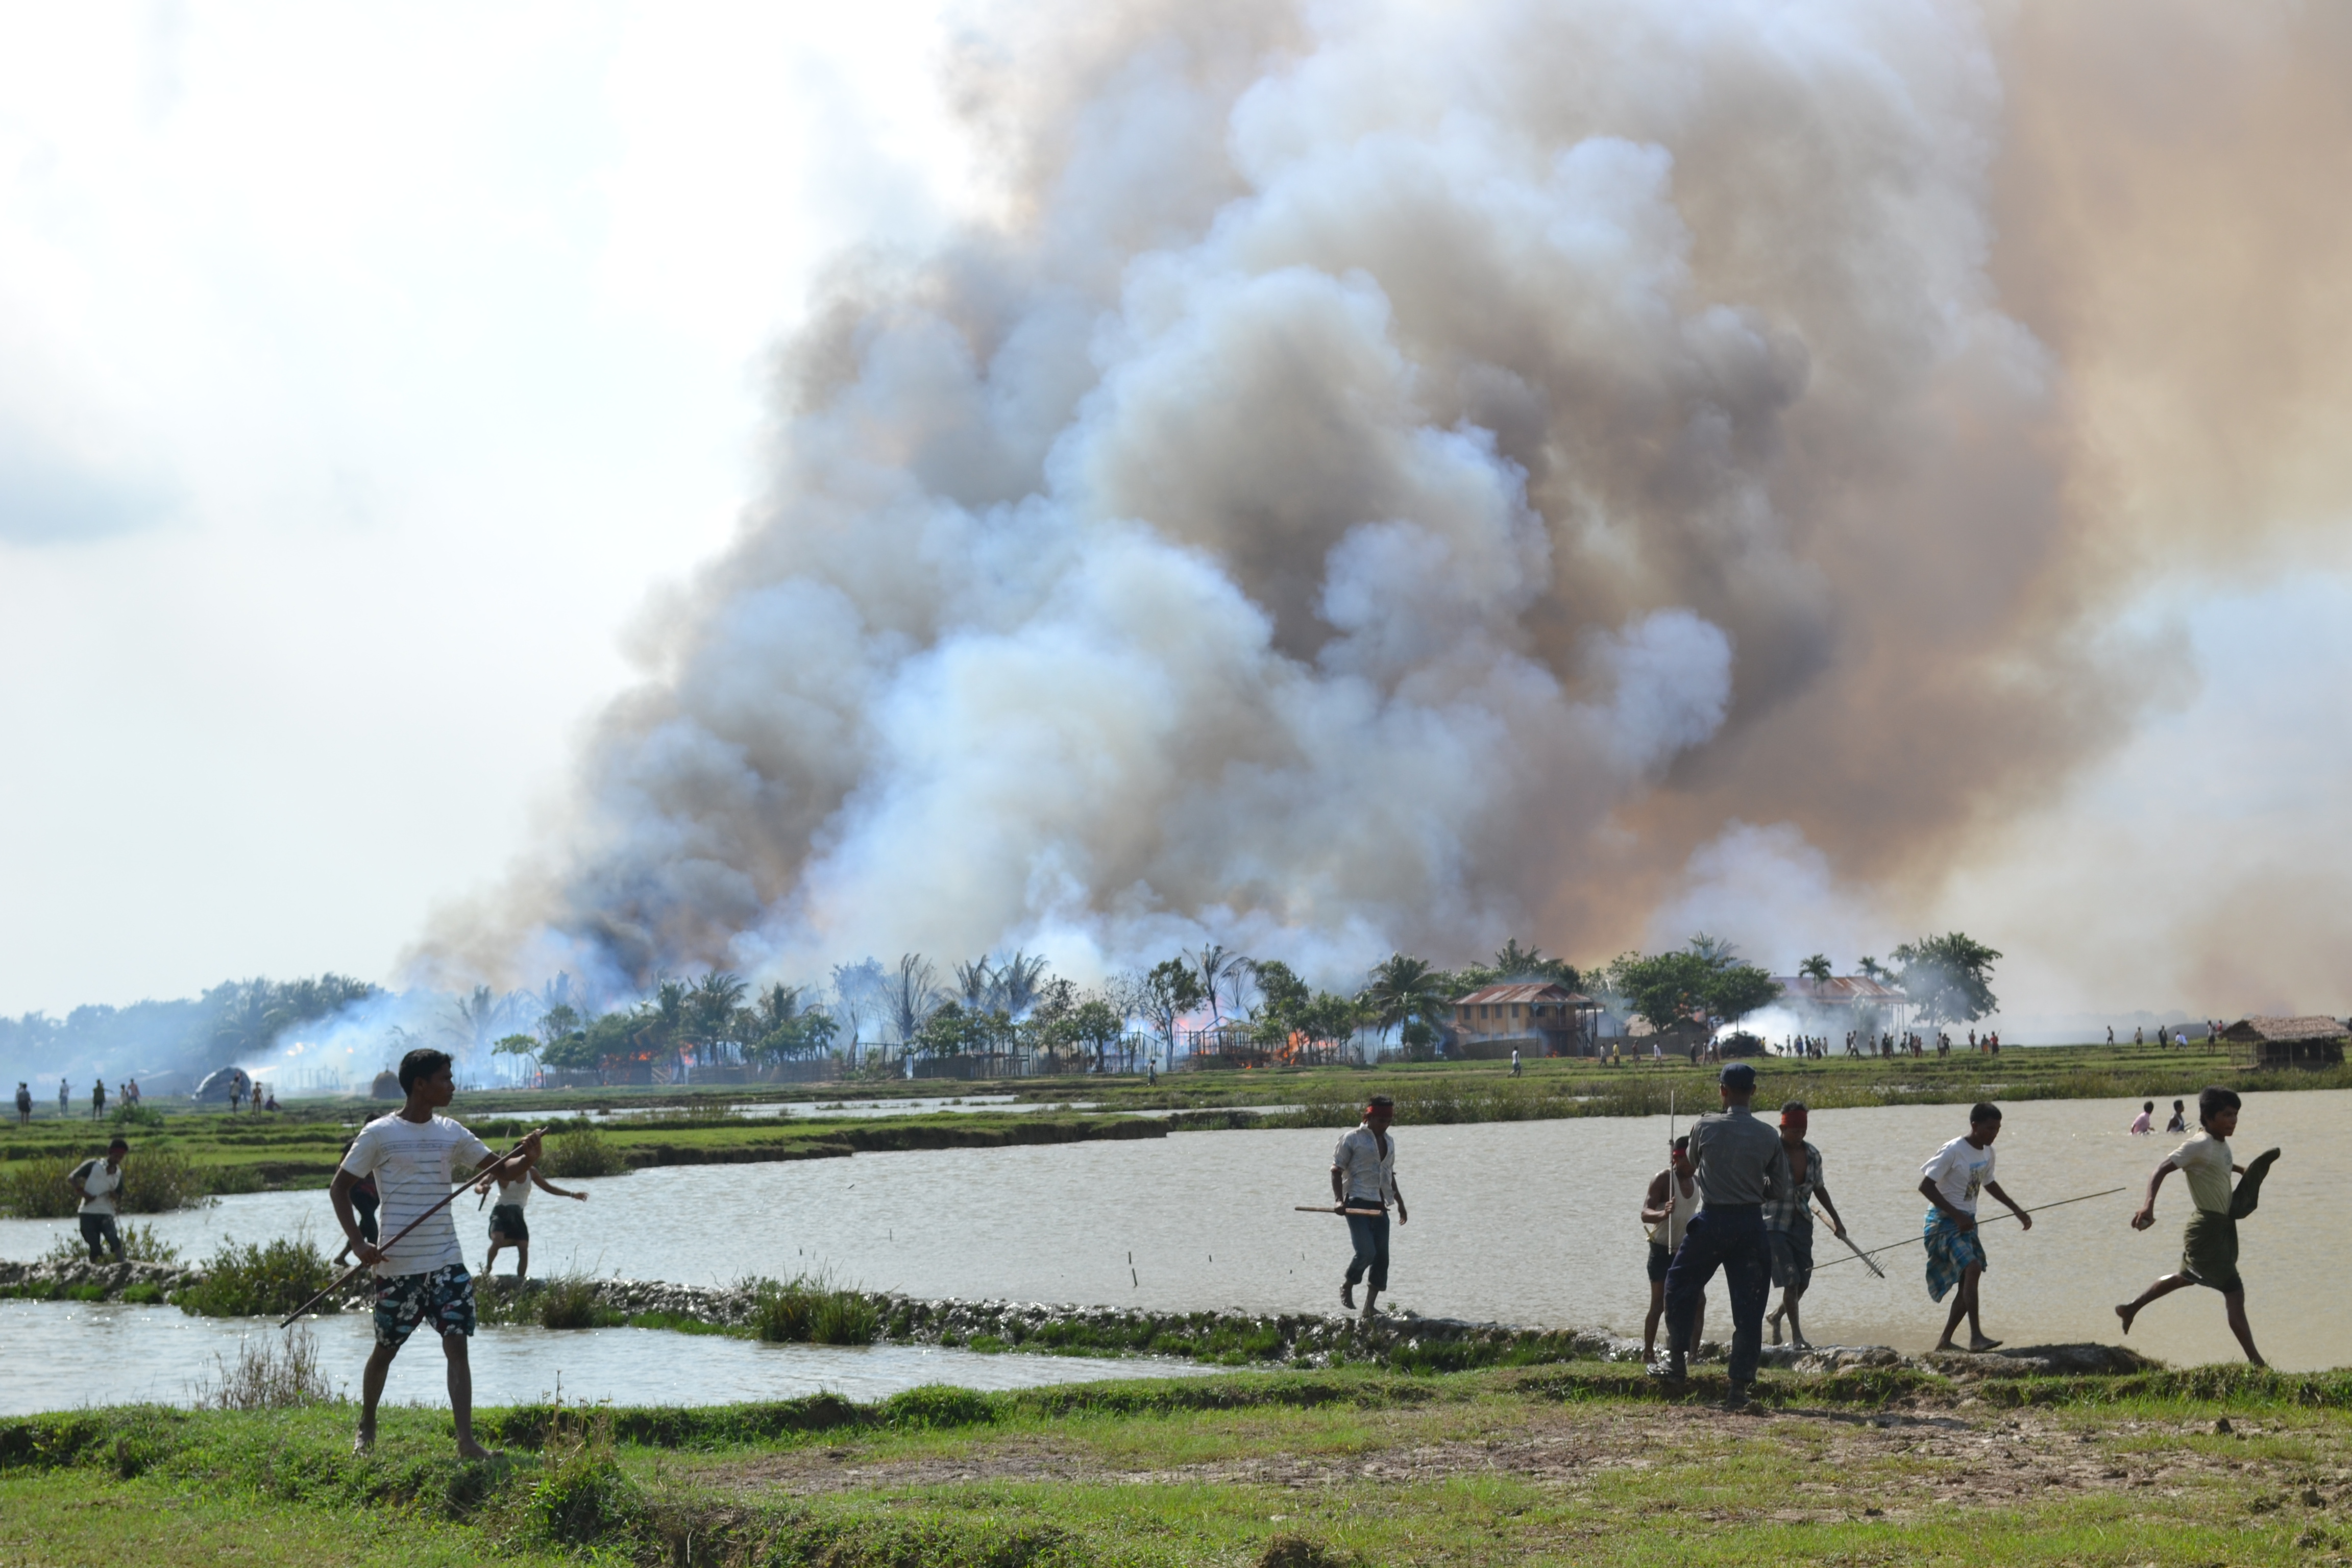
[1389, 480]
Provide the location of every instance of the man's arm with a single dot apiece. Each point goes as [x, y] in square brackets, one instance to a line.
[525, 1155]
[338, 1192]
[1339, 1187]
[2024, 1220]
[1656, 1203]
[1397, 1192]
[2147, 1215]
[545, 1185]
[1952, 1211]
[1837, 1226]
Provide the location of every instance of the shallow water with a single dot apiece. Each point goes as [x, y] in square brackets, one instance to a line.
[63, 1355]
[1523, 1222]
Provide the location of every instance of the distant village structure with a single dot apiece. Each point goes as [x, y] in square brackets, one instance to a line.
[2303, 1042]
[1539, 1018]
[1844, 1002]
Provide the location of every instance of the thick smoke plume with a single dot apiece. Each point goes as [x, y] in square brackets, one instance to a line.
[1391, 476]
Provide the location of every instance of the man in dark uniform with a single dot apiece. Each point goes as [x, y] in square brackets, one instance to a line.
[1741, 1163]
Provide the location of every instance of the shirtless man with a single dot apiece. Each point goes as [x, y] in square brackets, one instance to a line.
[1667, 1209]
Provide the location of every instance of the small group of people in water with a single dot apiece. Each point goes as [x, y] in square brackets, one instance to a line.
[1737, 1196]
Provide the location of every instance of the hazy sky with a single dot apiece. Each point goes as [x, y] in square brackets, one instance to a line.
[364, 375]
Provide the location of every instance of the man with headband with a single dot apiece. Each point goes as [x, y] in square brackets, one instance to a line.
[1789, 1221]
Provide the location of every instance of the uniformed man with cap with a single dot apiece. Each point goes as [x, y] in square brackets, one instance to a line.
[1741, 1163]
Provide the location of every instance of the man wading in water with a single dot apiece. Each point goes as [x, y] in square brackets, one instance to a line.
[415, 1158]
[1740, 1163]
[1363, 1176]
[2209, 1249]
[1789, 1221]
[1951, 1181]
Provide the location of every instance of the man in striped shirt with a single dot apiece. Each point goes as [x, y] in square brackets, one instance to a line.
[416, 1157]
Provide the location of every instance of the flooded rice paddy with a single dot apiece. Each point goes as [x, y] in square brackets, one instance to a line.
[1531, 1223]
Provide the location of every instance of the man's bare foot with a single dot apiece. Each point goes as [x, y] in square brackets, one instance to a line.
[2128, 1311]
[1801, 1342]
[469, 1449]
[1347, 1294]
[1946, 1344]
[1980, 1345]
[362, 1440]
[1774, 1318]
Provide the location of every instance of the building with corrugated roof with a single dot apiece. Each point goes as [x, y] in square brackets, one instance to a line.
[1539, 1017]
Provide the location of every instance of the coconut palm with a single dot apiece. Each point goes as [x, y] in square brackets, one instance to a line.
[1816, 968]
[1404, 988]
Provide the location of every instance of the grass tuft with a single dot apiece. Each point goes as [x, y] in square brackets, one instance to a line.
[810, 1308]
[583, 1151]
[270, 1374]
[255, 1280]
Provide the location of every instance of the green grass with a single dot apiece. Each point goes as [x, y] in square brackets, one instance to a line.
[1581, 1466]
[258, 1278]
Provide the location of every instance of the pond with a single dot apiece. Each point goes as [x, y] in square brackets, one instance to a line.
[1531, 1223]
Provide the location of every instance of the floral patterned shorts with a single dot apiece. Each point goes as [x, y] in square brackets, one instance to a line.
[405, 1300]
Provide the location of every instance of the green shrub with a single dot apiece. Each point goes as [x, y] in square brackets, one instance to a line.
[142, 1295]
[35, 1188]
[937, 1405]
[783, 1314]
[264, 1280]
[136, 1116]
[810, 1308]
[569, 1301]
[583, 1151]
[845, 1318]
[580, 1497]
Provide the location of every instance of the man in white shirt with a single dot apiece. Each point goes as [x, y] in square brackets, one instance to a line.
[415, 1158]
[1951, 1181]
[2209, 1247]
[1363, 1180]
[98, 1183]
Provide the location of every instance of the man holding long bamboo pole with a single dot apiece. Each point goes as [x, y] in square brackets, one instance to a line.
[416, 1157]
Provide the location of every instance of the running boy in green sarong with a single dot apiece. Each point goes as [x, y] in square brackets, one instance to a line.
[2209, 1247]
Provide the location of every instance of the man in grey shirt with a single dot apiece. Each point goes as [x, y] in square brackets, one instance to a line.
[1741, 1163]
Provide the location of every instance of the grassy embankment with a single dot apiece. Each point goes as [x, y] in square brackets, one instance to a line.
[193, 1153]
[1581, 1464]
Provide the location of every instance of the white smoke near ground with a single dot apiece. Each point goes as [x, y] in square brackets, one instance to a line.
[1392, 476]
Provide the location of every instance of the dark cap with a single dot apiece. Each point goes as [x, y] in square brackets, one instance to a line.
[1738, 1075]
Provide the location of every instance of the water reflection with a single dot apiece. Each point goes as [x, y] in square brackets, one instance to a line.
[61, 1356]
[1525, 1222]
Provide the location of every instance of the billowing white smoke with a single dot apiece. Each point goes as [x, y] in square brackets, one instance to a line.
[1350, 485]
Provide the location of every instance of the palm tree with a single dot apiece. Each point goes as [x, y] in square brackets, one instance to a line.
[1515, 961]
[911, 995]
[1405, 988]
[1214, 964]
[1816, 968]
[711, 1002]
[975, 982]
[1871, 968]
[1020, 980]
[250, 1023]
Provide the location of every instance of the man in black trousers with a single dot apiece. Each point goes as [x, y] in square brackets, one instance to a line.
[1741, 1163]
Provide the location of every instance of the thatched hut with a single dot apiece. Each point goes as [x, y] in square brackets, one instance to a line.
[2306, 1042]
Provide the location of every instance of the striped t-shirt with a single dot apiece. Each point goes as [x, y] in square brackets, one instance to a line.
[414, 1163]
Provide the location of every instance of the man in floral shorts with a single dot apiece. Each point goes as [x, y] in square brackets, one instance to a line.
[416, 1157]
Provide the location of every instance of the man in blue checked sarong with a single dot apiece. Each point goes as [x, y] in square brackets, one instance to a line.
[1951, 1181]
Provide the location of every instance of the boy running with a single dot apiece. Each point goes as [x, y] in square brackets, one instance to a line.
[2209, 1247]
[1951, 1181]
[416, 1156]
[508, 1226]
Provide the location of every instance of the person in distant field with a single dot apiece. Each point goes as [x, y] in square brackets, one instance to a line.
[130, 1091]
[235, 1094]
[24, 1104]
[1667, 1209]
[2111, 1034]
[98, 1100]
[2208, 1246]
[2139, 1036]
[1515, 1061]
[2180, 1039]
[1151, 1071]
[415, 1154]
[65, 1098]
[2179, 1122]
[1363, 1176]
[98, 1183]
[2142, 1123]
[1739, 1163]
[1951, 1181]
[508, 1226]
[273, 1101]
[1789, 1221]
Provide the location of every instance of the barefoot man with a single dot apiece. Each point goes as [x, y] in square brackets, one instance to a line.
[1363, 1176]
[416, 1157]
[1789, 1222]
[1951, 1181]
[2209, 1249]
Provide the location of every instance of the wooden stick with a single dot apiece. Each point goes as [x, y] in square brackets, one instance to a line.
[356, 1269]
[1327, 1209]
[1867, 1261]
[1981, 1220]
